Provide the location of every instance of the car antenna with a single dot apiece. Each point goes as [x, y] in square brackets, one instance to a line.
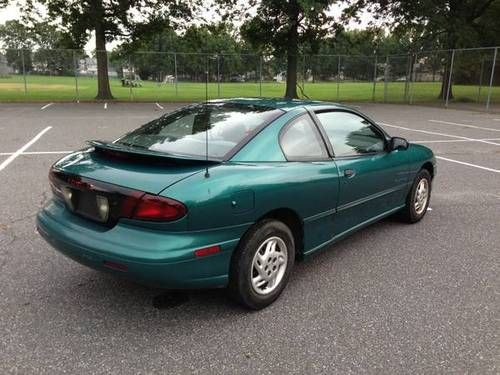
[207, 175]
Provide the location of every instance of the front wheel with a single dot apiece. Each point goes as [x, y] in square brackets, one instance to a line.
[418, 198]
[262, 264]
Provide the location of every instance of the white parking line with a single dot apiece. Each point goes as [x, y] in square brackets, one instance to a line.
[24, 148]
[46, 106]
[436, 133]
[106, 105]
[159, 106]
[464, 125]
[37, 153]
[457, 140]
[468, 164]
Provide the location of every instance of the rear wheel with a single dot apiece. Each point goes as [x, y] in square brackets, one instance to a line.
[262, 264]
[418, 198]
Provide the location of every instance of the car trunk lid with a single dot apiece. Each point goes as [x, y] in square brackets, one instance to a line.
[136, 169]
[106, 183]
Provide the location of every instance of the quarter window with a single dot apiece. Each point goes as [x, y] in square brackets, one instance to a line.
[351, 134]
[302, 141]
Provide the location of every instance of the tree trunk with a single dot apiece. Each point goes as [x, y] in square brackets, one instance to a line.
[292, 52]
[103, 89]
[291, 77]
[446, 81]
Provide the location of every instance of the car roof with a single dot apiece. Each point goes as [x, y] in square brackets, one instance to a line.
[280, 103]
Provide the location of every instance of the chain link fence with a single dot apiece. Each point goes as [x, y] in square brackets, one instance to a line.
[466, 77]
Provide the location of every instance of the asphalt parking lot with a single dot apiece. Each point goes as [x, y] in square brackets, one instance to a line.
[393, 298]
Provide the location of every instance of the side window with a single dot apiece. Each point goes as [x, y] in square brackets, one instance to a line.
[350, 134]
[301, 141]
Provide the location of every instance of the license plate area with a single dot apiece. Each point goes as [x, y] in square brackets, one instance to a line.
[98, 201]
[91, 205]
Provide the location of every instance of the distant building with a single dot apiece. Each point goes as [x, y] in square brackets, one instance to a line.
[5, 69]
[88, 67]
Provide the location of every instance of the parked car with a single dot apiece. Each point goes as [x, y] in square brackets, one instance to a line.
[229, 193]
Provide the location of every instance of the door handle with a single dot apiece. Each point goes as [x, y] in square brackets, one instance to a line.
[349, 173]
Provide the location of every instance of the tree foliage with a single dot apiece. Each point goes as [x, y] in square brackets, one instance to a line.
[447, 24]
[282, 28]
[215, 45]
[109, 20]
[41, 48]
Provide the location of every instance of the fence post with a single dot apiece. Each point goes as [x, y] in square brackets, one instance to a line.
[130, 78]
[218, 76]
[413, 78]
[207, 61]
[75, 68]
[448, 86]
[24, 73]
[491, 79]
[480, 80]
[175, 74]
[374, 79]
[408, 77]
[260, 76]
[386, 68]
[338, 79]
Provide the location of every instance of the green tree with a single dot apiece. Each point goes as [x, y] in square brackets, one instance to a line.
[283, 27]
[42, 47]
[447, 24]
[215, 44]
[357, 50]
[109, 20]
[19, 41]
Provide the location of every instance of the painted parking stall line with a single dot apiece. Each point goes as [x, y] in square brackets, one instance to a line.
[457, 140]
[451, 136]
[468, 164]
[11, 158]
[159, 105]
[105, 105]
[46, 106]
[463, 125]
[438, 133]
[37, 153]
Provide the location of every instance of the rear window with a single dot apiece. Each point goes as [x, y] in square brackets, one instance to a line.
[184, 132]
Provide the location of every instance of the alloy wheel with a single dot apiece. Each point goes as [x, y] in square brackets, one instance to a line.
[269, 265]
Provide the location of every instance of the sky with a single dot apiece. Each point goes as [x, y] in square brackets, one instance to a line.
[11, 12]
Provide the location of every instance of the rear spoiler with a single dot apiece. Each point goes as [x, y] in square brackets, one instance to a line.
[122, 151]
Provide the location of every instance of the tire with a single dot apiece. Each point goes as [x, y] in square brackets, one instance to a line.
[414, 211]
[257, 280]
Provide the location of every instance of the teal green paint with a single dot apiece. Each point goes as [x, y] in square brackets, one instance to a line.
[264, 147]
[224, 205]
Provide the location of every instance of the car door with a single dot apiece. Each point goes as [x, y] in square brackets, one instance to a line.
[312, 178]
[373, 180]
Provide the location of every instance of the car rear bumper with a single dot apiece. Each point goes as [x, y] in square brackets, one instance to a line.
[152, 257]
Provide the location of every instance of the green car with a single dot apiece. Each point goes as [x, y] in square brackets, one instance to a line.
[229, 193]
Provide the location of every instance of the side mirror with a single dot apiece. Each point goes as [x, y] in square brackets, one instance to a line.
[398, 143]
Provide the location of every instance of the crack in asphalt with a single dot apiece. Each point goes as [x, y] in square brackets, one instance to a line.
[10, 233]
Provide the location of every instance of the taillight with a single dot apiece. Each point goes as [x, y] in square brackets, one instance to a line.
[154, 207]
[109, 202]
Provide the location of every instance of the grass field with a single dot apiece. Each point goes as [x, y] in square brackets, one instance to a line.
[45, 88]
